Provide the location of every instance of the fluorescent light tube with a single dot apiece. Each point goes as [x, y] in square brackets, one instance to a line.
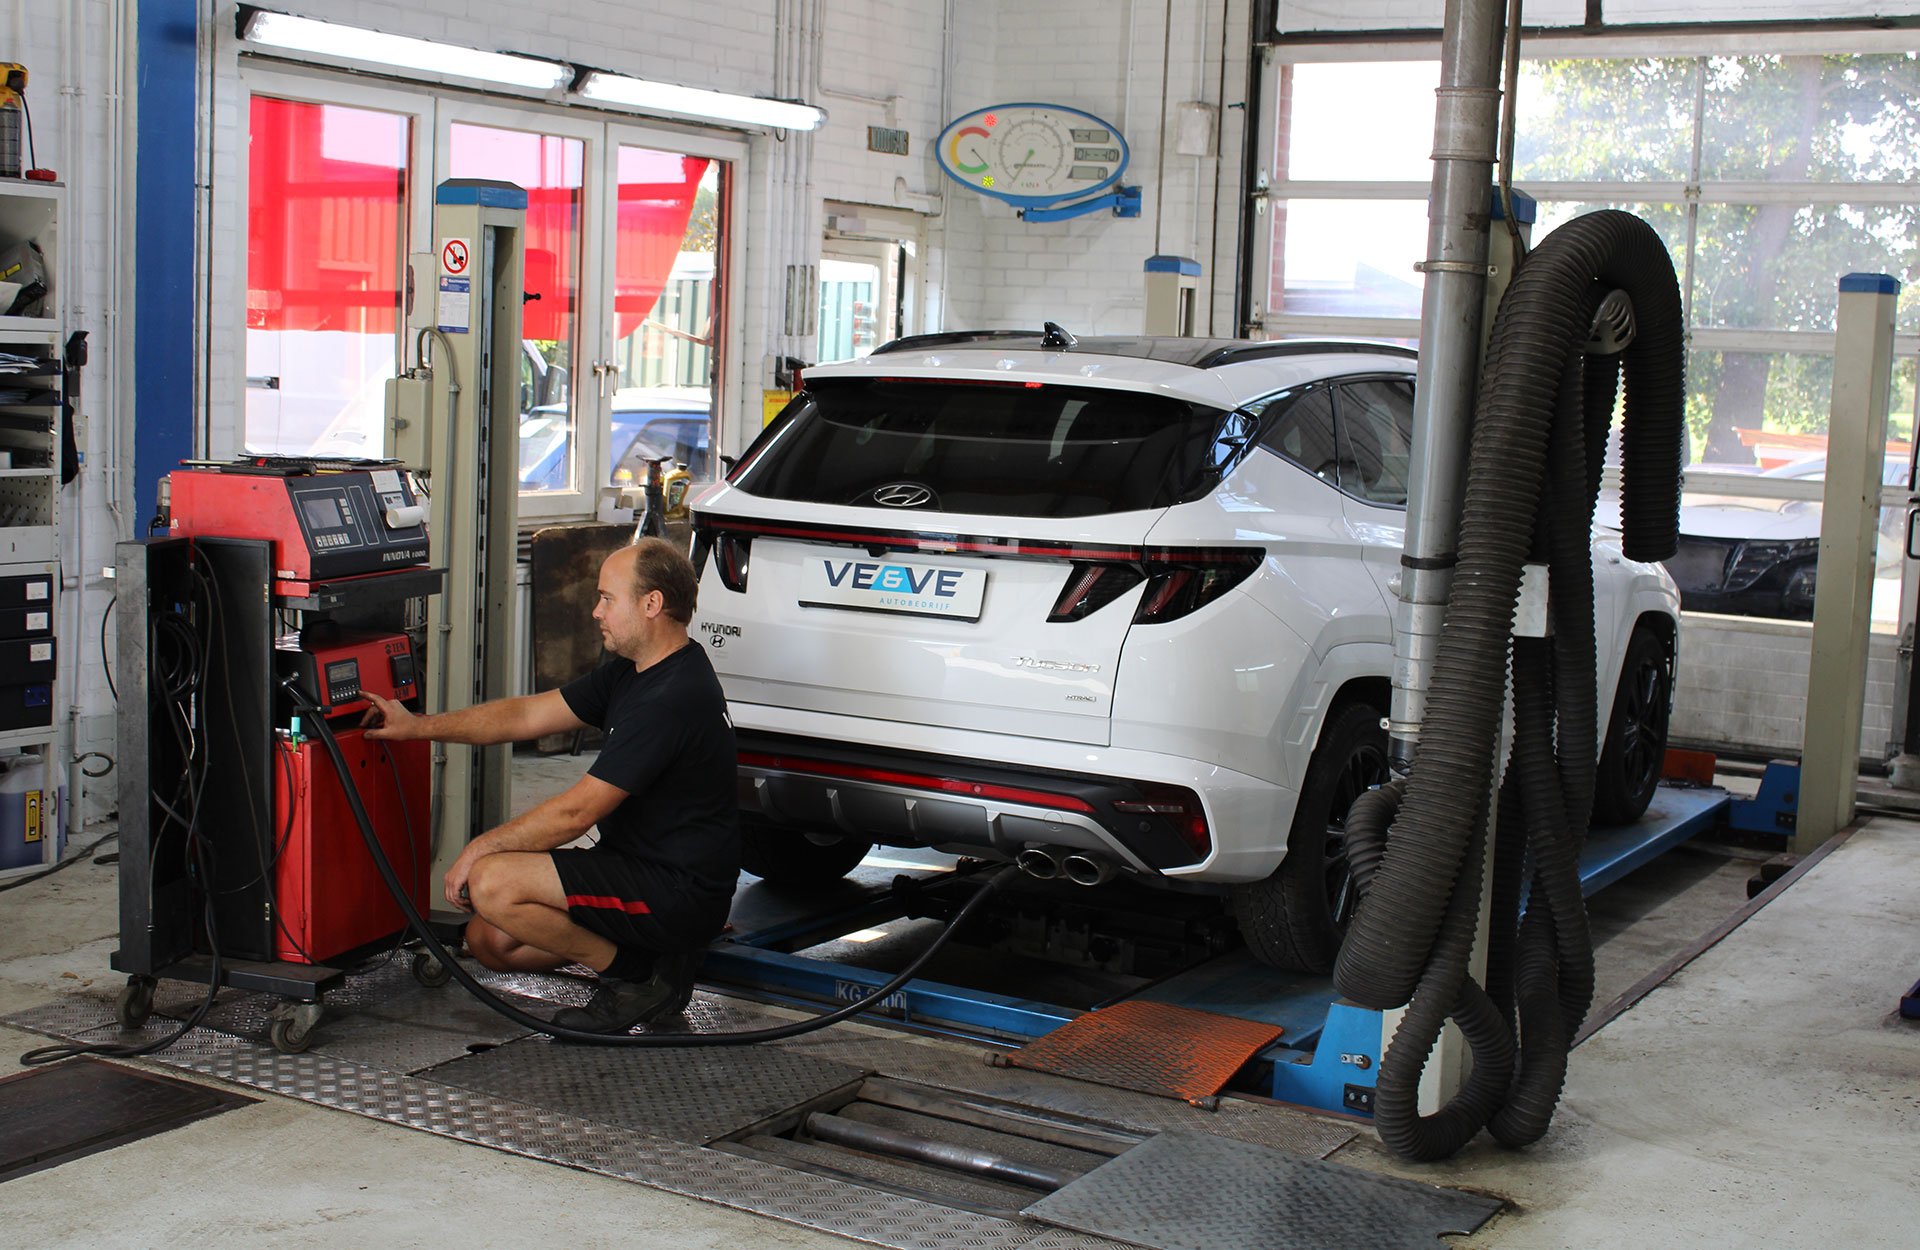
[665, 97]
[354, 43]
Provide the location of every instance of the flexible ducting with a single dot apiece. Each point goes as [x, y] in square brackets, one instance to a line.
[1419, 847]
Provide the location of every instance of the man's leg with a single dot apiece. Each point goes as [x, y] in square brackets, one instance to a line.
[522, 917]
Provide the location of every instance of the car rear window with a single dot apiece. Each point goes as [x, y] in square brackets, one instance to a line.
[1002, 449]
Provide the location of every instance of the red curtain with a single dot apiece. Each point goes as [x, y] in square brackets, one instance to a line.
[549, 167]
[656, 200]
[325, 226]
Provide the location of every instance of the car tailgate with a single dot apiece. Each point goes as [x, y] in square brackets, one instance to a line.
[946, 628]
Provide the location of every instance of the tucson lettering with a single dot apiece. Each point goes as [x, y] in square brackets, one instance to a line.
[943, 583]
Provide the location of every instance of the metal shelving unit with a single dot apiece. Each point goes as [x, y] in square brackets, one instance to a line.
[32, 832]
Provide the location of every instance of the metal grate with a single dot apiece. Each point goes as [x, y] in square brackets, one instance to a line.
[1192, 1191]
[1155, 1048]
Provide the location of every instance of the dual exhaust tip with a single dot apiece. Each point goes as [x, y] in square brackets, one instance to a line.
[1047, 863]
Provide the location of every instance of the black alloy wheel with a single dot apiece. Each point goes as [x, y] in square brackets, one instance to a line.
[1297, 917]
[1635, 751]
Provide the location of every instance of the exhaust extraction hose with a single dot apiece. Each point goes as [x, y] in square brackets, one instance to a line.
[1419, 847]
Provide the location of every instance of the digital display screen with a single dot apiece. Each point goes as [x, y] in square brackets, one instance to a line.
[1089, 173]
[322, 512]
[1091, 136]
[1108, 155]
[344, 673]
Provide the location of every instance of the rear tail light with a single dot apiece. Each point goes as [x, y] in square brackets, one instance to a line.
[1183, 582]
[1091, 587]
[1181, 808]
[730, 553]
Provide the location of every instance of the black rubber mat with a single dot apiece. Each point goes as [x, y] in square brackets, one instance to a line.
[80, 1107]
[1194, 1191]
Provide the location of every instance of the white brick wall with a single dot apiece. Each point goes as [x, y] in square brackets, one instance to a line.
[1742, 684]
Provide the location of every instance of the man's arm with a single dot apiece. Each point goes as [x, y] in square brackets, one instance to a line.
[551, 824]
[485, 724]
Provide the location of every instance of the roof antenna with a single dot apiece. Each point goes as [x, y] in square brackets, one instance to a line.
[1057, 337]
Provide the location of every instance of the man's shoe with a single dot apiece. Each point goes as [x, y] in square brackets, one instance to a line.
[678, 970]
[617, 1005]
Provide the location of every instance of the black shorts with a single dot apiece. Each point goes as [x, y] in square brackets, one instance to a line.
[630, 902]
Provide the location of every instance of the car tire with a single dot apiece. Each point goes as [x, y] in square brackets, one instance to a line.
[790, 860]
[1636, 745]
[1296, 918]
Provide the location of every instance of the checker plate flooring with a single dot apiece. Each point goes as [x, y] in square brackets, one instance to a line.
[1254, 1196]
[392, 1051]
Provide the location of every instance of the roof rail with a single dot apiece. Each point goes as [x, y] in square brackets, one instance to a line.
[1300, 347]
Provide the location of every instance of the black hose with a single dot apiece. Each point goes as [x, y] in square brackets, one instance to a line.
[317, 722]
[1538, 441]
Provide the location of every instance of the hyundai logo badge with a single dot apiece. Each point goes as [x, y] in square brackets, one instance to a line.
[901, 494]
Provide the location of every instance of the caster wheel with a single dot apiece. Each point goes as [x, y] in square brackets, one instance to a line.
[134, 1003]
[294, 1027]
[429, 971]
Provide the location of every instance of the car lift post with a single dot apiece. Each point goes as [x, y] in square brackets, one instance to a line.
[1849, 530]
[459, 421]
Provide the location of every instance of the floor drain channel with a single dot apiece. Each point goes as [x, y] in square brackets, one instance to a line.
[976, 1154]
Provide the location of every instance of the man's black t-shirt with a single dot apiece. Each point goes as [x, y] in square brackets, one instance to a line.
[670, 747]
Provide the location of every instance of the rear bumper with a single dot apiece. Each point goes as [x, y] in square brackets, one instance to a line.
[827, 781]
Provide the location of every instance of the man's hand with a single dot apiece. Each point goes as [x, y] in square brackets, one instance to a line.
[389, 721]
[455, 885]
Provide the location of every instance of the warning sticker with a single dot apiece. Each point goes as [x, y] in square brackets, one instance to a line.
[455, 254]
[456, 304]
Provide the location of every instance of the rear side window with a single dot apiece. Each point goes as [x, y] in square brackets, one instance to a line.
[1376, 439]
[1001, 449]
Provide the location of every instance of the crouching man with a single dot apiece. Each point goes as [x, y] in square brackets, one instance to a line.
[641, 905]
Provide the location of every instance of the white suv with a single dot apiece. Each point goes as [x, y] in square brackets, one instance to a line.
[1101, 606]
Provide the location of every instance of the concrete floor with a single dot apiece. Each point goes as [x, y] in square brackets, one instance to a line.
[1766, 1096]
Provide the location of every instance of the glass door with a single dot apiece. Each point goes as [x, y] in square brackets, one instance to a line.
[663, 344]
[859, 297]
[555, 161]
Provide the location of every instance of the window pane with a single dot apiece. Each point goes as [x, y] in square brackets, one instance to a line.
[326, 233]
[1303, 433]
[1349, 258]
[666, 282]
[1363, 122]
[1376, 439]
[1835, 118]
[1669, 221]
[549, 167]
[1778, 266]
[996, 450]
[1594, 121]
[1766, 410]
[849, 306]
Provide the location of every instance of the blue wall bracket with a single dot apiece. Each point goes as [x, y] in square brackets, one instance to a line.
[1125, 202]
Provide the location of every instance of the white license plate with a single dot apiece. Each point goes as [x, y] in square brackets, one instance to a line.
[913, 588]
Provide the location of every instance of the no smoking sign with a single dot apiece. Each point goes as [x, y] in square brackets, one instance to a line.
[454, 256]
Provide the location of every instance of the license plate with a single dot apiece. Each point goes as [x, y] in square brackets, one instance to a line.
[910, 588]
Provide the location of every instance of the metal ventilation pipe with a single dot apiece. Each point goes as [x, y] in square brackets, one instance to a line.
[1465, 132]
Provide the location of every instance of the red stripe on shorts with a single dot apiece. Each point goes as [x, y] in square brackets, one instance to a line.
[635, 908]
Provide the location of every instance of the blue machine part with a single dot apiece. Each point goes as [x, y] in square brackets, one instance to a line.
[1910, 1003]
[1774, 807]
[1340, 1072]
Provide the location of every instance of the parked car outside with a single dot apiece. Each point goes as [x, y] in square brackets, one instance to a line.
[1758, 557]
[1122, 607]
[647, 422]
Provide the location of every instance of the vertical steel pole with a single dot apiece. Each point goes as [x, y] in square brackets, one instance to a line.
[1849, 525]
[1451, 321]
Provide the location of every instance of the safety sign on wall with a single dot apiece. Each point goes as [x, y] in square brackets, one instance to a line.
[456, 286]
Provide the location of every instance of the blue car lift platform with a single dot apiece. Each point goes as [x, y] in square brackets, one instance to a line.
[1326, 1057]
